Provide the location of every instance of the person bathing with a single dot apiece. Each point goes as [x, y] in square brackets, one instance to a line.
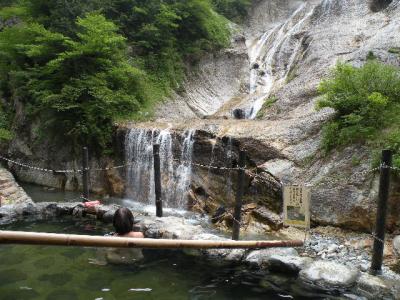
[123, 222]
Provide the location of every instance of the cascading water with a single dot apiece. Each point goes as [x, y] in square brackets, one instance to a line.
[263, 57]
[184, 169]
[175, 176]
[139, 152]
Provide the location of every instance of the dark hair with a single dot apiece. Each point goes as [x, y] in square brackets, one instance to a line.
[123, 221]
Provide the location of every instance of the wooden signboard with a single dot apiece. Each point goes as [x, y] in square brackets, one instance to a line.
[296, 205]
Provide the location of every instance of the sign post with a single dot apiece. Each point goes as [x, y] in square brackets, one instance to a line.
[296, 206]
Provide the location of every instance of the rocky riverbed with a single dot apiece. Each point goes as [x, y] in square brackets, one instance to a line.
[331, 259]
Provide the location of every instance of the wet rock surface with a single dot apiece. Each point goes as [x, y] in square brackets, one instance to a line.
[375, 287]
[326, 274]
[260, 258]
[288, 263]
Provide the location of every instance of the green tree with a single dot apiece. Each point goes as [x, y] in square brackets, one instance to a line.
[120, 57]
[78, 87]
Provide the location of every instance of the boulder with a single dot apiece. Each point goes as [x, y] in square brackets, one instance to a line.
[328, 275]
[170, 228]
[268, 217]
[374, 287]
[7, 214]
[260, 258]
[239, 113]
[290, 264]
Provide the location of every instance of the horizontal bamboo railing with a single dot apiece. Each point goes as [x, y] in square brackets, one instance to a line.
[54, 239]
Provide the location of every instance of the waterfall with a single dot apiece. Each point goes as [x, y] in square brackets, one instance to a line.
[175, 175]
[164, 139]
[184, 169]
[263, 57]
[139, 152]
[211, 160]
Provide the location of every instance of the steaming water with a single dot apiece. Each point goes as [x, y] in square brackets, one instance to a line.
[175, 171]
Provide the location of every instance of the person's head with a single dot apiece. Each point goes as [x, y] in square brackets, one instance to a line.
[123, 221]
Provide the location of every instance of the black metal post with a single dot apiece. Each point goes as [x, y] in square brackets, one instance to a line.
[239, 195]
[384, 185]
[85, 173]
[157, 180]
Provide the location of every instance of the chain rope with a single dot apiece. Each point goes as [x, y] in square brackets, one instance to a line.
[210, 166]
[373, 235]
[222, 168]
[24, 165]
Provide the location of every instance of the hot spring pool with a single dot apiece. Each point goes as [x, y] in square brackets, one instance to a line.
[47, 272]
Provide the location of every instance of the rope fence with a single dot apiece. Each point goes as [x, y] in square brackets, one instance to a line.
[221, 168]
[31, 167]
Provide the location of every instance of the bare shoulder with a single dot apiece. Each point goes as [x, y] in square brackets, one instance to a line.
[133, 234]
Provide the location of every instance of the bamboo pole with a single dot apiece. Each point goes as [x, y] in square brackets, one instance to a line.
[54, 239]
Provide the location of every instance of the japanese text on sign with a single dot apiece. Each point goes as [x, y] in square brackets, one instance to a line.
[296, 206]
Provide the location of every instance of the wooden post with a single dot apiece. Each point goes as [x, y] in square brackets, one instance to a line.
[56, 239]
[157, 180]
[85, 174]
[239, 195]
[384, 185]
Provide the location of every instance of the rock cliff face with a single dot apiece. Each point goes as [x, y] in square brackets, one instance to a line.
[269, 76]
[284, 140]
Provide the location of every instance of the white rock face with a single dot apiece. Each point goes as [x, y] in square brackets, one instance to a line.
[320, 34]
[329, 274]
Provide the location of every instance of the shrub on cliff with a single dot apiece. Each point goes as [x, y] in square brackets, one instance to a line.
[367, 105]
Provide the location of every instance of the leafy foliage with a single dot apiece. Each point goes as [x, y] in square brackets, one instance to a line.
[80, 65]
[5, 133]
[233, 9]
[76, 87]
[367, 105]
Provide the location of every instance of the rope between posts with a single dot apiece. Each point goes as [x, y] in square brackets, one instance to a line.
[373, 235]
[222, 168]
[25, 165]
[210, 166]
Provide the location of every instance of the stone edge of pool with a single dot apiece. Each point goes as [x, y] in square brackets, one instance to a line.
[312, 273]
